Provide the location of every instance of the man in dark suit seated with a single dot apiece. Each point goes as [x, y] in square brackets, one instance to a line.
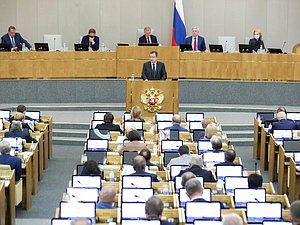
[255, 181]
[14, 39]
[197, 42]
[195, 166]
[91, 40]
[148, 38]
[154, 208]
[176, 120]
[14, 162]
[107, 198]
[139, 165]
[20, 109]
[108, 124]
[283, 123]
[17, 131]
[230, 156]
[154, 70]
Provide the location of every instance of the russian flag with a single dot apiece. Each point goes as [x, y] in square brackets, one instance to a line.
[179, 30]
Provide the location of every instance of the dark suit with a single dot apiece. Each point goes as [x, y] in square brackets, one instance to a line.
[297, 125]
[143, 39]
[283, 125]
[199, 172]
[201, 43]
[85, 40]
[109, 126]
[255, 44]
[14, 162]
[143, 173]
[226, 163]
[149, 74]
[22, 134]
[5, 39]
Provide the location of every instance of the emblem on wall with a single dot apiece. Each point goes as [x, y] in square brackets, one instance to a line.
[152, 99]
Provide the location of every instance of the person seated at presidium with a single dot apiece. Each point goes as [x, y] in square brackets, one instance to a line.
[139, 165]
[148, 38]
[176, 120]
[91, 40]
[256, 42]
[14, 162]
[14, 39]
[17, 131]
[133, 144]
[108, 124]
[183, 158]
[107, 197]
[154, 70]
[197, 42]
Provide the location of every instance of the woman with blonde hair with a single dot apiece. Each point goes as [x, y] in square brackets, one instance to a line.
[256, 42]
[136, 114]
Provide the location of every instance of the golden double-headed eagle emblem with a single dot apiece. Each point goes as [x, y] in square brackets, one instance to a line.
[152, 99]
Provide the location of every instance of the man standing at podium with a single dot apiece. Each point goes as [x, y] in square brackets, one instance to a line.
[154, 70]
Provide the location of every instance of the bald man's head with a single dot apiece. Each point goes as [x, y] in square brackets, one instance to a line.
[108, 194]
[295, 212]
[139, 163]
[176, 119]
[185, 177]
[281, 115]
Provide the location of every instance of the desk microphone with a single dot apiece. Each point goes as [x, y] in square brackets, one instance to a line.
[283, 46]
[78, 199]
[255, 167]
[140, 197]
[54, 39]
[225, 46]
[132, 184]
[78, 181]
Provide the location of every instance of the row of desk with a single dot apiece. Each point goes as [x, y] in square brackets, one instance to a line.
[126, 61]
[34, 162]
[280, 165]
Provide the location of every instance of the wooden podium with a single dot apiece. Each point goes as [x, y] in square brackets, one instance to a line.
[152, 96]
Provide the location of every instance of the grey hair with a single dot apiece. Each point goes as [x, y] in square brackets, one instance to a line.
[16, 125]
[196, 160]
[176, 118]
[4, 147]
[232, 219]
[216, 142]
[295, 210]
[84, 220]
[193, 186]
[196, 28]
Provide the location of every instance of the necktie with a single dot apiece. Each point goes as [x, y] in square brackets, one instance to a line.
[153, 71]
[195, 44]
[153, 67]
[13, 42]
[148, 40]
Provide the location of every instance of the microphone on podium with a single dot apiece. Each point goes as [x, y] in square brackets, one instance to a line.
[283, 47]
[225, 46]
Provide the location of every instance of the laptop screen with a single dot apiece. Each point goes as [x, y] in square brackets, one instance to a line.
[99, 134]
[293, 115]
[136, 124]
[198, 134]
[136, 182]
[98, 156]
[15, 143]
[164, 117]
[5, 114]
[175, 170]
[168, 145]
[64, 221]
[291, 146]
[128, 213]
[229, 171]
[212, 158]
[207, 222]
[35, 115]
[277, 223]
[86, 181]
[94, 123]
[204, 146]
[1, 124]
[163, 124]
[179, 179]
[79, 194]
[195, 125]
[99, 115]
[136, 194]
[202, 210]
[77, 209]
[194, 117]
[281, 135]
[244, 195]
[235, 182]
[127, 116]
[183, 198]
[168, 156]
[265, 116]
[140, 222]
[101, 145]
[297, 157]
[257, 212]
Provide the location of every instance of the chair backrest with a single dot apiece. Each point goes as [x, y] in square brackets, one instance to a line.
[228, 43]
[140, 32]
[5, 167]
[296, 48]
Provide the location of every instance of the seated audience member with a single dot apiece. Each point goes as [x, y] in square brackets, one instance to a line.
[17, 131]
[256, 42]
[255, 181]
[283, 123]
[183, 159]
[80, 221]
[295, 212]
[133, 144]
[136, 114]
[210, 130]
[232, 219]
[176, 120]
[14, 162]
[147, 155]
[154, 208]
[20, 109]
[230, 156]
[205, 122]
[21, 117]
[185, 177]
[107, 198]
[148, 38]
[195, 166]
[90, 167]
[91, 40]
[139, 165]
[216, 143]
[108, 124]
[197, 41]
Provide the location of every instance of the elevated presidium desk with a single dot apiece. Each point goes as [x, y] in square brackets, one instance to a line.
[126, 61]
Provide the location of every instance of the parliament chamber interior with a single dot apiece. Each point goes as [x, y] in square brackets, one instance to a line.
[171, 112]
